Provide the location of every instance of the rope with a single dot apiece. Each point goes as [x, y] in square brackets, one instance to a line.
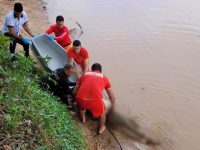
[115, 138]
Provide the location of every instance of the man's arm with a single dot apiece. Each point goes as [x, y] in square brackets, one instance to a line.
[63, 36]
[71, 60]
[27, 29]
[13, 34]
[66, 83]
[49, 30]
[76, 88]
[10, 24]
[111, 96]
[86, 65]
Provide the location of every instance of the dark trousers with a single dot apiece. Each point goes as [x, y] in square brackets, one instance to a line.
[13, 43]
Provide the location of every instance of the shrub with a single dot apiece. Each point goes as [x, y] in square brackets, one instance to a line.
[33, 118]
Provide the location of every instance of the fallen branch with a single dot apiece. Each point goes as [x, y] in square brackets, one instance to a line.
[5, 140]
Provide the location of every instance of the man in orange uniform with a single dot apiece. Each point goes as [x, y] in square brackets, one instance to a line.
[80, 55]
[61, 33]
[89, 95]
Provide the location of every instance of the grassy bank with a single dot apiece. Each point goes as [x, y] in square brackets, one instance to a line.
[29, 117]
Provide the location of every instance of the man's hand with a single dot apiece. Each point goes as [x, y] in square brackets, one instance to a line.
[50, 37]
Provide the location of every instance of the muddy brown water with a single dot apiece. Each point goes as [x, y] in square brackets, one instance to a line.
[150, 49]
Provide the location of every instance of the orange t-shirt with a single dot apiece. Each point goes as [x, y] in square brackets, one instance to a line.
[92, 85]
[78, 57]
[90, 93]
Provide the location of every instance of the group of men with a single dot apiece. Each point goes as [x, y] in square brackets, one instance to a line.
[88, 90]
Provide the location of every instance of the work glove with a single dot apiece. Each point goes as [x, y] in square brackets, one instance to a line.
[50, 37]
[26, 40]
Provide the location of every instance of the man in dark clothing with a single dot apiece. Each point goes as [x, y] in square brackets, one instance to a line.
[59, 84]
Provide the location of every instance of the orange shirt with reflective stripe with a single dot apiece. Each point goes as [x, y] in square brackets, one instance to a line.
[92, 85]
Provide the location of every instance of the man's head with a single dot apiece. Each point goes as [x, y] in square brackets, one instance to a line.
[69, 70]
[18, 8]
[60, 22]
[96, 67]
[77, 46]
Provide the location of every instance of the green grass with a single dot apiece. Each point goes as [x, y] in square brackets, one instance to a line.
[33, 118]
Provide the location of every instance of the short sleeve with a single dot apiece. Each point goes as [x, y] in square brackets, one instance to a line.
[70, 53]
[107, 83]
[50, 30]
[25, 16]
[9, 22]
[85, 54]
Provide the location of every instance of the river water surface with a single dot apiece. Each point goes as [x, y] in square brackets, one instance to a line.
[150, 50]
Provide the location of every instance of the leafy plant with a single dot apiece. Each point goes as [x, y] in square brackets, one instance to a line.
[32, 115]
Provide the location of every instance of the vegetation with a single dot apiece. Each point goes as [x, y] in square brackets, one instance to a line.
[29, 117]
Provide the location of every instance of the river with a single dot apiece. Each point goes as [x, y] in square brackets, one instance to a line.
[150, 50]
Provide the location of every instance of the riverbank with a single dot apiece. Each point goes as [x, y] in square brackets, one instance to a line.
[29, 117]
[38, 23]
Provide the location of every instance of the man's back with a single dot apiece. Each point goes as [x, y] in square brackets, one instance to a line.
[92, 85]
